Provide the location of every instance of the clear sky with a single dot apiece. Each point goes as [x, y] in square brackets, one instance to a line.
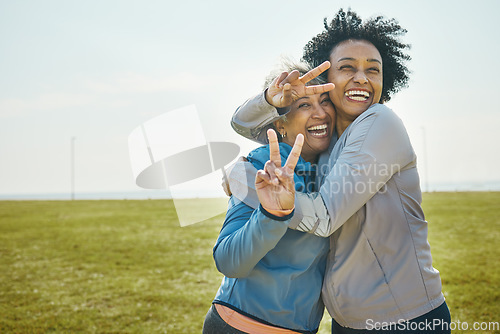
[95, 70]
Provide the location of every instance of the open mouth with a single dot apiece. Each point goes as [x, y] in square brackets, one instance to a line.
[318, 130]
[358, 95]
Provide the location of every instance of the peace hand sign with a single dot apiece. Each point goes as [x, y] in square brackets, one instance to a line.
[289, 87]
[275, 185]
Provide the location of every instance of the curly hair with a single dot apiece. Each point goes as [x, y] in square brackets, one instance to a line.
[382, 33]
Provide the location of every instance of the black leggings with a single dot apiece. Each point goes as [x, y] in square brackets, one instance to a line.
[215, 325]
[422, 325]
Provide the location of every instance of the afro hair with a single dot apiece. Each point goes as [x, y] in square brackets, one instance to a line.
[383, 33]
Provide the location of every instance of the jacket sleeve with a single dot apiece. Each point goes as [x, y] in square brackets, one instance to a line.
[253, 117]
[376, 148]
[247, 235]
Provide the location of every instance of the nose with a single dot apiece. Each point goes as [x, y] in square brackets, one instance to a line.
[360, 77]
[319, 112]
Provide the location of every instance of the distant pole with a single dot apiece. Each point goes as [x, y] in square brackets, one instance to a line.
[426, 172]
[73, 168]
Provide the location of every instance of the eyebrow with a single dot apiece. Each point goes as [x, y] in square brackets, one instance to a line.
[369, 60]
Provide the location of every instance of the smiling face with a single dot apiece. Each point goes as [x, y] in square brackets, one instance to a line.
[356, 71]
[314, 117]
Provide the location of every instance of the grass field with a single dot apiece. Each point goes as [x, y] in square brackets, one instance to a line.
[128, 267]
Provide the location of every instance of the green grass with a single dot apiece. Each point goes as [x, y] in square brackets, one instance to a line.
[128, 267]
[464, 234]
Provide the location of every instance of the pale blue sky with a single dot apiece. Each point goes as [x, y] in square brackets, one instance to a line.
[98, 69]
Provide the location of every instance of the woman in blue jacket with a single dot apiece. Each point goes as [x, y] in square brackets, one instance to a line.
[268, 286]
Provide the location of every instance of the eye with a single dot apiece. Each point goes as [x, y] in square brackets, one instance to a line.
[303, 105]
[326, 100]
[346, 67]
[374, 70]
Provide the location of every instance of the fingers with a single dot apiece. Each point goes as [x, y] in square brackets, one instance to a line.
[287, 98]
[284, 175]
[291, 77]
[274, 148]
[270, 169]
[315, 72]
[262, 178]
[268, 175]
[279, 79]
[294, 156]
[319, 89]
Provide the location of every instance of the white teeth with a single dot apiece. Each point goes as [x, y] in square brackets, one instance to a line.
[357, 95]
[358, 98]
[317, 127]
[319, 134]
[323, 128]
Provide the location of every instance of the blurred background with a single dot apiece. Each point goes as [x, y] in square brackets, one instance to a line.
[77, 77]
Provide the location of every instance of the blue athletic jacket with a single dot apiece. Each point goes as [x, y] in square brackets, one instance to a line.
[272, 273]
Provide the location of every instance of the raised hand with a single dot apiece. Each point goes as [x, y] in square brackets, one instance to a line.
[275, 185]
[289, 87]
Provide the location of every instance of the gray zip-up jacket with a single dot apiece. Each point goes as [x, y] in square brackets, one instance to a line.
[380, 266]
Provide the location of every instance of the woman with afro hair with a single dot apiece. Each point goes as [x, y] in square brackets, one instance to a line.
[379, 276]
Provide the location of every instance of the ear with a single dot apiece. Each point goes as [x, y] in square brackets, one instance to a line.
[279, 125]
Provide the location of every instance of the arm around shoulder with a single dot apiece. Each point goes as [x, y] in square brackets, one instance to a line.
[374, 148]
